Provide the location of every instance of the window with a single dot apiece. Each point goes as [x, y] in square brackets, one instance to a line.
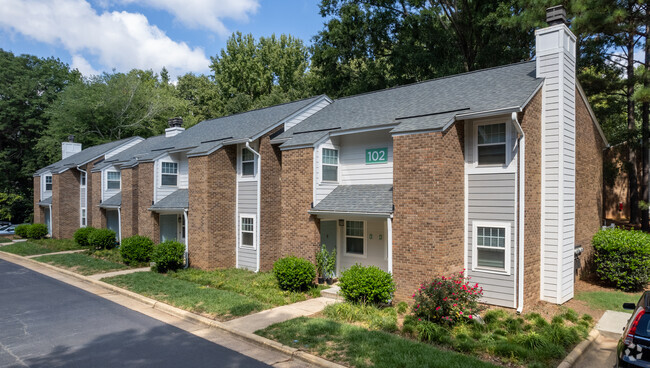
[48, 182]
[82, 179]
[83, 217]
[113, 179]
[354, 237]
[169, 173]
[247, 232]
[491, 246]
[491, 144]
[330, 164]
[247, 162]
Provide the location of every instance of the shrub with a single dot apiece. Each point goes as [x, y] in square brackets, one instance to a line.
[447, 300]
[36, 231]
[101, 239]
[136, 249]
[168, 256]
[622, 258]
[294, 273]
[370, 284]
[81, 235]
[21, 230]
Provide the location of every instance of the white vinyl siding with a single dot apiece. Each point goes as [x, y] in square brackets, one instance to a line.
[180, 159]
[376, 250]
[106, 191]
[83, 195]
[247, 202]
[121, 148]
[305, 114]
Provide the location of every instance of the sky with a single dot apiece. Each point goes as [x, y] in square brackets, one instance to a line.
[96, 36]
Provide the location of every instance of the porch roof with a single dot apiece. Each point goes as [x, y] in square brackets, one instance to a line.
[45, 202]
[178, 200]
[113, 202]
[370, 199]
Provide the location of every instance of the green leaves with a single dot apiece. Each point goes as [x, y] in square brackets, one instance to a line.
[622, 258]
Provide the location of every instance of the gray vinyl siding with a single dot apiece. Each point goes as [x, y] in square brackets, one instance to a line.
[491, 197]
[248, 258]
[247, 197]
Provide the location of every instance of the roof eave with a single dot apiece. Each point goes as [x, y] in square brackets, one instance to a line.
[344, 213]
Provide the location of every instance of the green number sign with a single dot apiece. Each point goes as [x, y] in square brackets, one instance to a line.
[376, 155]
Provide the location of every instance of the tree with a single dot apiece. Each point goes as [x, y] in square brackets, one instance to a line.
[202, 96]
[247, 71]
[28, 86]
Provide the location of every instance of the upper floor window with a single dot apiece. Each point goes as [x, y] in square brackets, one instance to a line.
[48, 182]
[113, 179]
[82, 179]
[330, 164]
[492, 144]
[169, 173]
[247, 162]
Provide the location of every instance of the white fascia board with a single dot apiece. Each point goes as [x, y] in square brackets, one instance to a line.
[325, 214]
[363, 130]
[121, 145]
[489, 113]
[296, 147]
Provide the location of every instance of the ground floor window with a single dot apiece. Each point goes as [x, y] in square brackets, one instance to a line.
[83, 217]
[247, 228]
[355, 238]
[491, 246]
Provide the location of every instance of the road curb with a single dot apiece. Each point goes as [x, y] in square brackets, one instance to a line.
[185, 315]
[580, 349]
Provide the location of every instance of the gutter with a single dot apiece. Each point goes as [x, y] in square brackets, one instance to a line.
[259, 192]
[520, 230]
[365, 214]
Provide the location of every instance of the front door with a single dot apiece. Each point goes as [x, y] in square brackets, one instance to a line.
[328, 235]
[168, 227]
[47, 220]
[113, 222]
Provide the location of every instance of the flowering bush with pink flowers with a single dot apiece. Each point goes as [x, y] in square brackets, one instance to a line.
[447, 300]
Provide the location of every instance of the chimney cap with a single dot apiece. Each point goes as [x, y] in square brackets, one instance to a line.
[556, 15]
[71, 138]
[176, 122]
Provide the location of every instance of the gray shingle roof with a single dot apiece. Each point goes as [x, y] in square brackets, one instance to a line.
[83, 157]
[113, 202]
[428, 105]
[142, 150]
[177, 200]
[45, 202]
[361, 199]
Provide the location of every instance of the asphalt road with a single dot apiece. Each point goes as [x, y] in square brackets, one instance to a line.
[47, 323]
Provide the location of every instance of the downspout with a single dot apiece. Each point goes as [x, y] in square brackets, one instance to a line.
[187, 249]
[85, 196]
[520, 231]
[259, 199]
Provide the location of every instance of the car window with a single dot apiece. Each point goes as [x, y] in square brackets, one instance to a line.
[643, 328]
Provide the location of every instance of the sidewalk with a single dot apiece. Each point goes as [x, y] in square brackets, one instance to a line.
[99, 276]
[602, 352]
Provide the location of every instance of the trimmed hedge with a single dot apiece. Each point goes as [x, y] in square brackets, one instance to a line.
[622, 258]
[136, 249]
[22, 230]
[37, 231]
[102, 239]
[81, 235]
[168, 256]
[370, 284]
[294, 273]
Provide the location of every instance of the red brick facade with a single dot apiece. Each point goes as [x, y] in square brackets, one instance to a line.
[211, 232]
[300, 231]
[428, 193]
[270, 203]
[65, 204]
[147, 220]
[129, 208]
[97, 217]
[38, 210]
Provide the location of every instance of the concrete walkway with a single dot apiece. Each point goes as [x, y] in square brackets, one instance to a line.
[51, 254]
[602, 352]
[99, 276]
[258, 321]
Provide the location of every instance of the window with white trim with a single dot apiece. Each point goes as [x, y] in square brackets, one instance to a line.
[247, 162]
[491, 144]
[491, 250]
[113, 179]
[330, 166]
[83, 217]
[48, 182]
[169, 173]
[247, 232]
[355, 238]
[82, 179]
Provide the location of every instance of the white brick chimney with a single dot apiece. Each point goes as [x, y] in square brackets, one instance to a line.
[175, 127]
[69, 148]
[556, 60]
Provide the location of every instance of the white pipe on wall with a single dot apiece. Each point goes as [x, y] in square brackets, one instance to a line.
[520, 231]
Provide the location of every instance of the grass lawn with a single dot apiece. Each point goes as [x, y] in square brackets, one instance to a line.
[261, 286]
[81, 263]
[360, 347]
[608, 300]
[215, 303]
[4, 240]
[41, 246]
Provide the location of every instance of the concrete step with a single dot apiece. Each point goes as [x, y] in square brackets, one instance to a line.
[332, 293]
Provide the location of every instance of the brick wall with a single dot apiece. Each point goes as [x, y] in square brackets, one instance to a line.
[38, 211]
[428, 193]
[129, 208]
[589, 178]
[65, 204]
[300, 234]
[271, 203]
[212, 190]
[147, 220]
[531, 123]
[97, 217]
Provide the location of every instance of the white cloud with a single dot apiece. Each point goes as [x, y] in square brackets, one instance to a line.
[80, 63]
[119, 40]
[204, 13]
